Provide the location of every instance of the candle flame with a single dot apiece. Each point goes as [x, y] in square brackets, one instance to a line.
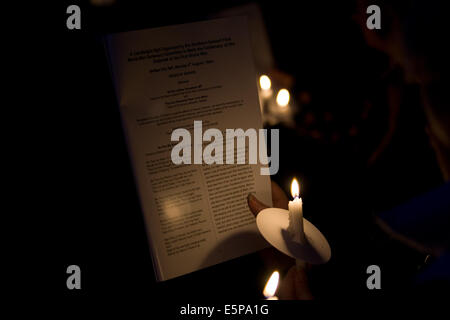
[283, 98]
[264, 82]
[271, 285]
[295, 188]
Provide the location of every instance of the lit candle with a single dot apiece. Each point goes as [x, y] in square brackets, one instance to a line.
[265, 84]
[295, 227]
[283, 98]
[265, 94]
[293, 235]
[271, 286]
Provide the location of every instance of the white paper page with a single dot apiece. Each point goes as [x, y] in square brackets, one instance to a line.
[165, 78]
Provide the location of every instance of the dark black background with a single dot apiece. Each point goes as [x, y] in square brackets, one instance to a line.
[85, 193]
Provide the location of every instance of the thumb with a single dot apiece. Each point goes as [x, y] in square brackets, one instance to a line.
[294, 285]
[255, 205]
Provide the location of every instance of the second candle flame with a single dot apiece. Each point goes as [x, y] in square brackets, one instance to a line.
[271, 285]
[295, 188]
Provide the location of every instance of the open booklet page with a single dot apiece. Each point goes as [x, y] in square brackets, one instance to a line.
[167, 78]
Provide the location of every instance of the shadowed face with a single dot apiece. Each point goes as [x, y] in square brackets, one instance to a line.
[413, 36]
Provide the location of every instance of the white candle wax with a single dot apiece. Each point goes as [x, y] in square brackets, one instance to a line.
[266, 94]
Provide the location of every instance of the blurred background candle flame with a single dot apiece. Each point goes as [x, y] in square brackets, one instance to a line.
[264, 82]
[283, 98]
[271, 286]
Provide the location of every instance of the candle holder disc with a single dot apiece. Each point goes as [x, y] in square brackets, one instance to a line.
[273, 223]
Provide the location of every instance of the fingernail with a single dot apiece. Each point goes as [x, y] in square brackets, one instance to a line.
[250, 196]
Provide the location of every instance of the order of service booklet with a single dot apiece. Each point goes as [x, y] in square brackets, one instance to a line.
[167, 78]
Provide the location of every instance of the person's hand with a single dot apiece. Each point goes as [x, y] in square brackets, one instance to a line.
[279, 200]
[294, 286]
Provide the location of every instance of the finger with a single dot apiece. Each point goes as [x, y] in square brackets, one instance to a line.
[279, 198]
[302, 291]
[294, 285]
[286, 289]
[255, 205]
